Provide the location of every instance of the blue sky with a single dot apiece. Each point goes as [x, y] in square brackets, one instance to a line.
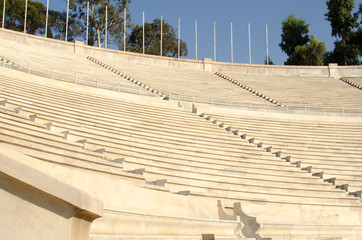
[241, 12]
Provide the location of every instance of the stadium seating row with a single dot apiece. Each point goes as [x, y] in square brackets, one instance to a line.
[163, 172]
[175, 149]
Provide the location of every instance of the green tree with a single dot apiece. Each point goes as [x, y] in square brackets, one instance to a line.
[345, 28]
[298, 45]
[57, 25]
[97, 9]
[356, 37]
[152, 39]
[359, 14]
[294, 33]
[341, 18]
[345, 54]
[310, 54]
[15, 13]
[270, 61]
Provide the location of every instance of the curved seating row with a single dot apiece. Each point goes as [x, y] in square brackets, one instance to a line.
[182, 152]
[56, 65]
[79, 163]
[302, 91]
[165, 173]
[331, 148]
[185, 84]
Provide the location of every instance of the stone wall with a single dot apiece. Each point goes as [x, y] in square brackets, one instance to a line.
[37, 206]
[207, 64]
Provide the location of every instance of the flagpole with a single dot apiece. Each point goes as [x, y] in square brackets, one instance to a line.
[231, 35]
[26, 13]
[179, 38]
[86, 37]
[161, 36]
[124, 29]
[143, 32]
[46, 19]
[214, 41]
[267, 45]
[66, 25]
[196, 38]
[249, 44]
[4, 8]
[106, 24]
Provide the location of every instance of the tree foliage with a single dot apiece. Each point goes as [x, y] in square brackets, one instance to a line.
[359, 14]
[270, 61]
[347, 30]
[153, 37]
[294, 33]
[36, 14]
[298, 45]
[97, 16]
[310, 54]
[341, 18]
[15, 14]
[57, 25]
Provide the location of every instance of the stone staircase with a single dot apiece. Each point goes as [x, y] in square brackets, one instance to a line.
[291, 143]
[299, 91]
[129, 78]
[351, 83]
[269, 99]
[184, 85]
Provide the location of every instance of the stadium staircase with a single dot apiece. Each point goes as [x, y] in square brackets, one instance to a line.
[329, 151]
[180, 85]
[299, 91]
[55, 65]
[351, 83]
[269, 99]
[129, 78]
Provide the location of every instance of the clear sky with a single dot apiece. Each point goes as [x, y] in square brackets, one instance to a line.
[241, 12]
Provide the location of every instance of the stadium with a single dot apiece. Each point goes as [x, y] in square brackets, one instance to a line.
[109, 145]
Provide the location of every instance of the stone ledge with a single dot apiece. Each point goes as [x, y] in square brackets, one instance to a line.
[300, 230]
[117, 222]
[14, 165]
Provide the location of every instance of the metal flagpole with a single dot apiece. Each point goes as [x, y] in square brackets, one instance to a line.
[161, 36]
[66, 25]
[179, 38]
[143, 32]
[86, 37]
[4, 7]
[249, 44]
[26, 13]
[196, 38]
[214, 41]
[106, 24]
[267, 45]
[46, 19]
[231, 35]
[124, 29]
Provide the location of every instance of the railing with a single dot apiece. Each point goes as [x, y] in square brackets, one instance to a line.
[89, 80]
[250, 106]
[32, 67]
